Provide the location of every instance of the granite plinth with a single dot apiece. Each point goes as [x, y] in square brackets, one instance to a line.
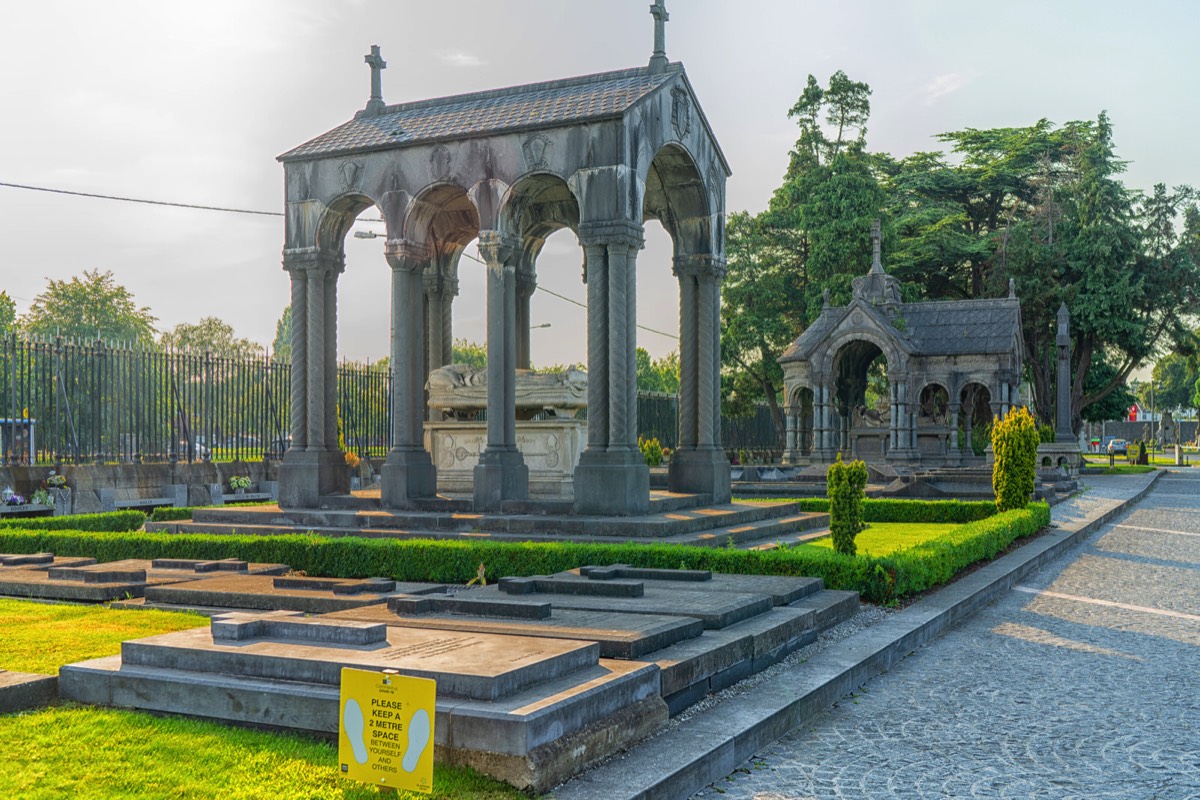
[293, 626]
[263, 592]
[619, 635]
[549, 584]
[407, 605]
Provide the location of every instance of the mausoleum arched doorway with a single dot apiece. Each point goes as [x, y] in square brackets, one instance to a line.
[861, 413]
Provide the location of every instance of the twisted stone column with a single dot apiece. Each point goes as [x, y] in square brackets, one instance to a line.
[313, 467]
[526, 286]
[612, 477]
[501, 473]
[408, 474]
[299, 359]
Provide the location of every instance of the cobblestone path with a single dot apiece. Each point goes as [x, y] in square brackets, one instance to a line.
[1084, 682]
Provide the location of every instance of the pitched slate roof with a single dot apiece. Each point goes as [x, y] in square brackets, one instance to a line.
[935, 328]
[963, 326]
[536, 105]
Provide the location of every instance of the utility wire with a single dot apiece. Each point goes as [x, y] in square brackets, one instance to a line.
[576, 302]
[145, 202]
[264, 214]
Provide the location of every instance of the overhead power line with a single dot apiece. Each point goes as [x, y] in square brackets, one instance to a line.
[261, 214]
[574, 302]
[144, 202]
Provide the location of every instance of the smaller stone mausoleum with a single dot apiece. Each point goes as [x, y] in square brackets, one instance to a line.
[900, 384]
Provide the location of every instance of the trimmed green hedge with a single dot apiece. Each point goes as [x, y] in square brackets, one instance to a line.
[171, 513]
[877, 579]
[892, 510]
[130, 520]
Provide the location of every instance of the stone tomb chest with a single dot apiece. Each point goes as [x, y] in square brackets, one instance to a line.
[549, 435]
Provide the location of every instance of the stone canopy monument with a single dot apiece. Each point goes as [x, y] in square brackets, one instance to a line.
[947, 367]
[598, 154]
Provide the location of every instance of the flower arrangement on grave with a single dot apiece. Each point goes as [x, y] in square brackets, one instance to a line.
[55, 481]
[42, 498]
[241, 482]
[13, 499]
[352, 459]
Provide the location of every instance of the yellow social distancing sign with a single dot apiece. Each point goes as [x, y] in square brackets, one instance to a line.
[385, 729]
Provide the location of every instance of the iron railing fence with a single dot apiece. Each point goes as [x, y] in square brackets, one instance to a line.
[69, 401]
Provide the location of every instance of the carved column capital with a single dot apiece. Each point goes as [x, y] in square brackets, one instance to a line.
[526, 283]
[498, 250]
[406, 255]
[311, 259]
[701, 266]
[614, 233]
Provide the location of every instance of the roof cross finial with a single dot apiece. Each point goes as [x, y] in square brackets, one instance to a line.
[658, 60]
[375, 105]
[876, 246]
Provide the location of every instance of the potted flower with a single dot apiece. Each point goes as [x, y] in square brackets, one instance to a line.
[240, 483]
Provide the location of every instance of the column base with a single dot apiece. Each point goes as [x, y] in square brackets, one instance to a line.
[795, 458]
[500, 475]
[700, 471]
[405, 476]
[824, 456]
[613, 484]
[305, 476]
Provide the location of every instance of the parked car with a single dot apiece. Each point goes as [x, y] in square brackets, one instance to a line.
[1118, 447]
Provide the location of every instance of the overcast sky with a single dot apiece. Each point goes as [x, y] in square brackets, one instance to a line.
[191, 102]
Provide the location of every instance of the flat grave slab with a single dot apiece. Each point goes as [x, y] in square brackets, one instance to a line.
[86, 580]
[528, 710]
[783, 589]
[619, 635]
[716, 609]
[22, 690]
[41, 561]
[284, 593]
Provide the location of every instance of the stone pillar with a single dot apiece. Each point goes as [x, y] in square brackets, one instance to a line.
[408, 473]
[699, 464]
[1063, 432]
[953, 451]
[526, 285]
[501, 473]
[790, 430]
[440, 290]
[824, 448]
[611, 477]
[313, 466]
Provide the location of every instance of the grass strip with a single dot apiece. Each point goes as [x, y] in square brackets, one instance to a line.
[41, 637]
[72, 751]
[884, 538]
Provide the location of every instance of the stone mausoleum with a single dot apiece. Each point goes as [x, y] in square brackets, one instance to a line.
[905, 385]
[598, 154]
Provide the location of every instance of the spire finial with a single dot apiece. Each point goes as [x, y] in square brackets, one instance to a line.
[1012, 289]
[375, 105]
[876, 246]
[658, 60]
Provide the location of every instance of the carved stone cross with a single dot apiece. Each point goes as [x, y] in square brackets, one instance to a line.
[658, 60]
[377, 66]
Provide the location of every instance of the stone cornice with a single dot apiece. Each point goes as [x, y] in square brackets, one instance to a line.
[312, 259]
[406, 255]
[699, 266]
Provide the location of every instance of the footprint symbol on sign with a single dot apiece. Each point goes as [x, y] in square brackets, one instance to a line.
[352, 722]
[418, 739]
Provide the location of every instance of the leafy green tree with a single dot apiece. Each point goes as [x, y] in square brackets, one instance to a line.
[281, 348]
[1174, 377]
[657, 375]
[89, 306]
[8, 312]
[470, 353]
[210, 335]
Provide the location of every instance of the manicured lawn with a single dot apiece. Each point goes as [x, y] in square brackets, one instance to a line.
[1125, 469]
[884, 538]
[77, 752]
[41, 637]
